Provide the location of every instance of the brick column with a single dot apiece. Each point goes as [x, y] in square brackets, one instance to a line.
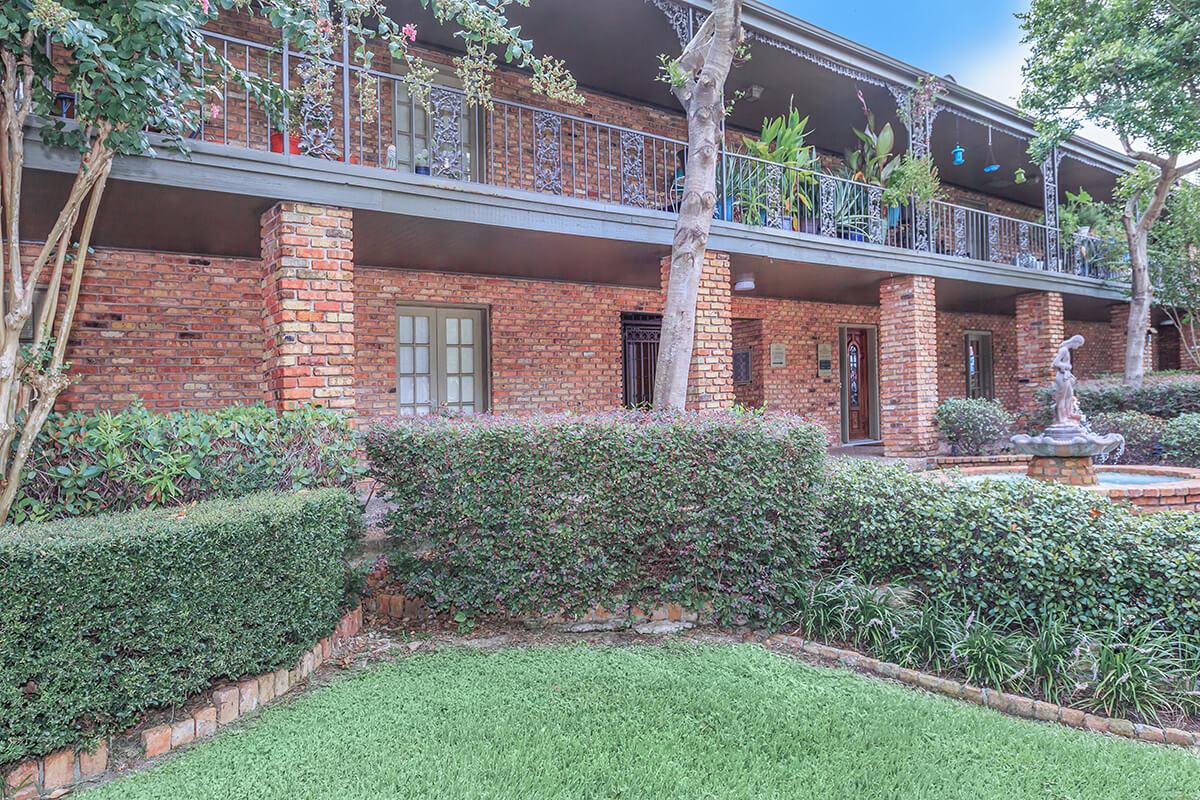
[908, 394]
[1118, 329]
[1039, 333]
[710, 378]
[308, 306]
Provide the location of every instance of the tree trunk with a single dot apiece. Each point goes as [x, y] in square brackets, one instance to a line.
[706, 62]
[1141, 297]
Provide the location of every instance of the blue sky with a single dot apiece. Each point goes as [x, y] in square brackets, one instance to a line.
[976, 41]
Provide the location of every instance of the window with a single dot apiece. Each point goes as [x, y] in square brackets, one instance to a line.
[741, 368]
[978, 365]
[639, 350]
[440, 361]
[39, 302]
[414, 132]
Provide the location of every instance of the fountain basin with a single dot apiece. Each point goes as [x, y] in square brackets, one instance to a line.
[1148, 488]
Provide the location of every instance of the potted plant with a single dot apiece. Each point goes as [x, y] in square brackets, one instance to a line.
[781, 142]
[873, 162]
[849, 220]
[421, 162]
[285, 121]
[913, 179]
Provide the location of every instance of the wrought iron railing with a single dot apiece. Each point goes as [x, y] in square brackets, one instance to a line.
[519, 146]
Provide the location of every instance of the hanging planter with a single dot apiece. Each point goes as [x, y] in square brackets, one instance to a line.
[1019, 176]
[959, 155]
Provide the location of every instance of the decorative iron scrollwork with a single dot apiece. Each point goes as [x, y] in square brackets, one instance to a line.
[994, 239]
[1050, 195]
[773, 196]
[316, 110]
[447, 156]
[633, 169]
[547, 152]
[828, 190]
[876, 215]
[961, 248]
[921, 239]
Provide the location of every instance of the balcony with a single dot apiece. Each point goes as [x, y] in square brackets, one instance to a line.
[523, 147]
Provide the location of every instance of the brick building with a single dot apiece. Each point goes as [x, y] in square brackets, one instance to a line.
[511, 259]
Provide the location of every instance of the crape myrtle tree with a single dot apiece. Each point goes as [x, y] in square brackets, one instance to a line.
[1133, 67]
[136, 69]
[1175, 265]
[697, 79]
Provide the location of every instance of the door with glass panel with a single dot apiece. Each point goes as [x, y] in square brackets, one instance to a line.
[439, 361]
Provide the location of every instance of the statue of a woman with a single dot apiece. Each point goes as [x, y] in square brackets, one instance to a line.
[1066, 410]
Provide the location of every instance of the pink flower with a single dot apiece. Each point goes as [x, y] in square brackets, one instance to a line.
[204, 6]
[324, 26]
[410, 31]
[214, 111]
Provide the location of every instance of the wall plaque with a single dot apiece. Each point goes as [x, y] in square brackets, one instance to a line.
[824, 360]
[778, 354]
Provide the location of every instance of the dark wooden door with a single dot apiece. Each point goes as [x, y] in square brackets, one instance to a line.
[858, 385]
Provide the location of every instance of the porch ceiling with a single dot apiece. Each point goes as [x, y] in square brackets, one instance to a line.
[146, 216]
[583, 32]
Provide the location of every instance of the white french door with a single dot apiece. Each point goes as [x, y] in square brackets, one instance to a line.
[440, 361]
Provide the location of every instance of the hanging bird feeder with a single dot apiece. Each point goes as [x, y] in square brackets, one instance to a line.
[991, 165]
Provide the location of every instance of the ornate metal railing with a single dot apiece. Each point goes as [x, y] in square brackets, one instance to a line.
[520, 146]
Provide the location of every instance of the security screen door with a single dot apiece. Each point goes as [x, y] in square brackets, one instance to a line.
[439, 360]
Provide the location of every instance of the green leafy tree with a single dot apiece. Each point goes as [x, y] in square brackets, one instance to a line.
[1133, 67]
[135, 66]
[697, 79]
[1175, 265]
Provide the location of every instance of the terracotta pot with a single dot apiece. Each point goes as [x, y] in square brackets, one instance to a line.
[277, 143]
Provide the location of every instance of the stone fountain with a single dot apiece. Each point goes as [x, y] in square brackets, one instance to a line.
[1064, 451]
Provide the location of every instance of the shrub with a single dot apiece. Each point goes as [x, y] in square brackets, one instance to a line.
[561, 513]
[1181, 440]
[86, 464]
[1015, 549]
[971, 427]
[1142, 434]
[1166, 396]
[102, 618]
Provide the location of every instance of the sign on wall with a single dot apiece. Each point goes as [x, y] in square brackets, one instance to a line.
[824, 360]
[778, 354]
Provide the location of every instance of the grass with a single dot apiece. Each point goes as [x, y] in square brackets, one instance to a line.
[647, 722]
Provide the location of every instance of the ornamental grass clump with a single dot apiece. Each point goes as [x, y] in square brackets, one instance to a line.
[561, 513]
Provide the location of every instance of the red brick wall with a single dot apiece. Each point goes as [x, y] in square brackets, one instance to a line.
[175, 330]
[747, 335]
[1099, 352]
[800, 327]
[908, 391]
[555, 346]
[1040, 331]
[951, 365]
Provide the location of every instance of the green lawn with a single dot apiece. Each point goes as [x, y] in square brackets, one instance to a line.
[647, 722]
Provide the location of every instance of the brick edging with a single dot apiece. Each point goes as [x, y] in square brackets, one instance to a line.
[55, 774]
[1004, 702]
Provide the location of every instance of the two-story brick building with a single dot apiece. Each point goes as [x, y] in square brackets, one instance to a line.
[511, 259]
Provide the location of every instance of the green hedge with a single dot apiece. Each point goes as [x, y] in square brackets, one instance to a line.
[1142, 432]
[1166, 396]
[1181, 440]
[86, 464]
[972, 426]
[1016, 550]
[102, 618]
[561, 513]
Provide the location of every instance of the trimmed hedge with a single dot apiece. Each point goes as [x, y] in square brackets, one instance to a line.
[1016, 550]
[85, 464]
[1181, 440]
[1166, 396]
[972, 426]
[557, 514]
[1142, 432]
[105, 617]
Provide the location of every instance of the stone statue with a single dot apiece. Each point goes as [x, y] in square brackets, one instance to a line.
[1066, 438]
[1066, 407]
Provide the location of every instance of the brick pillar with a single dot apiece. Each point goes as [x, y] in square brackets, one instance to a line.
[1118, 329]
[710, 378]
[1039, 333]
[308, 306]
[908, 394]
